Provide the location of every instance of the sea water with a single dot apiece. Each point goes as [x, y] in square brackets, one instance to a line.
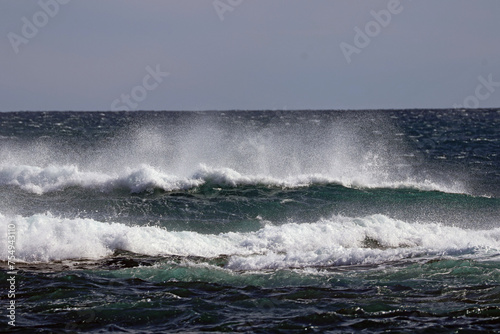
[251, 221]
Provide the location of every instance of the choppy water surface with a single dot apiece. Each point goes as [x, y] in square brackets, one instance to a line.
[272, 221]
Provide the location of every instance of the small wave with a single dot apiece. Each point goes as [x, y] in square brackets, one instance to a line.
[40, 180]
[328, 242]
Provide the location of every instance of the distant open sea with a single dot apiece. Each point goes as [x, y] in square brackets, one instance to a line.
[250, 221]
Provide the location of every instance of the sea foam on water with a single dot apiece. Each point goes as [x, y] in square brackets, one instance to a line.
[328, 242]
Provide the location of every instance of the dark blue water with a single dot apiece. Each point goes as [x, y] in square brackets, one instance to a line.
[263, 221]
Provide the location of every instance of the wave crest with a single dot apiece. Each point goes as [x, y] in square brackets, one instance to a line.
[40, 180]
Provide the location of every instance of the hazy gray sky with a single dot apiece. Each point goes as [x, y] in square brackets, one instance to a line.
[248, 54]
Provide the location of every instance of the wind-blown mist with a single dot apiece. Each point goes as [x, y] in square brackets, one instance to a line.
[352, 151]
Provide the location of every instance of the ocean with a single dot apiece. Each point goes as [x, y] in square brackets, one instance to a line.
[250, 221]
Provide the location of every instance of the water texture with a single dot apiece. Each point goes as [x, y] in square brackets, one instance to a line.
[252, 221]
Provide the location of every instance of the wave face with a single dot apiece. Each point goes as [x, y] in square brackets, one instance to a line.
[266, 221]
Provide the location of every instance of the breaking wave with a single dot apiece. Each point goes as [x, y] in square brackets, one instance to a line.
[40, 180]
[328, 242]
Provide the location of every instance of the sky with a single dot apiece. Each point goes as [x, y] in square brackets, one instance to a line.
[248, 54]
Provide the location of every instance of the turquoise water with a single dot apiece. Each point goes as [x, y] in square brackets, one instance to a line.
[271, 221]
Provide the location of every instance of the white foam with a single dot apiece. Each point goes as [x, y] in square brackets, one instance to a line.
[40, 180]
[336, 241]
[228, 176]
